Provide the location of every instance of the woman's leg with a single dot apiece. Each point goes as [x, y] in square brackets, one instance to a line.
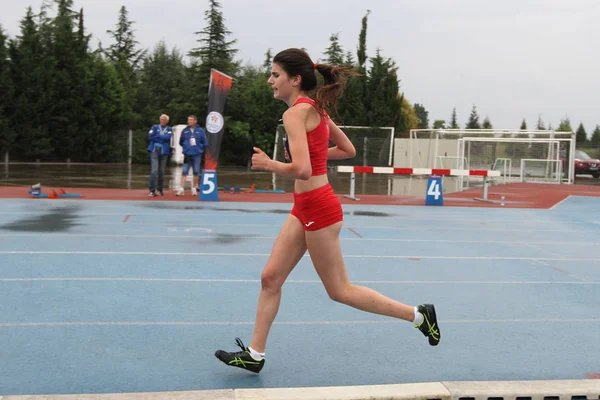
[326, 254]
[287, 251]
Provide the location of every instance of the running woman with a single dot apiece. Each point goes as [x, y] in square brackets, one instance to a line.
[315, 221]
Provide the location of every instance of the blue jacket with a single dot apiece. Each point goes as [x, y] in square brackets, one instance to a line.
[157, 139]
[185, 141]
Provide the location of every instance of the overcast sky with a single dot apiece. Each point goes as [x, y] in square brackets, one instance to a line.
[514, 59]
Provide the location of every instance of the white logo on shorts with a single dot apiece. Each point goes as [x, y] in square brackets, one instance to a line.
[309, 223]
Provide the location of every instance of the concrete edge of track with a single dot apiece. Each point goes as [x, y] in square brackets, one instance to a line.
[535, 390]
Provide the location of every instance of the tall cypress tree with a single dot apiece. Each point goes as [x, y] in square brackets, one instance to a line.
[353, 106]
[6, 135]
[454, 120]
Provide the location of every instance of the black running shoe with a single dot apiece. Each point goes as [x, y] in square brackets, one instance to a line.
[429, 327]
[241, 359]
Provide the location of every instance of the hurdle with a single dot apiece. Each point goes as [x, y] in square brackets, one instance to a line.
[352, 170]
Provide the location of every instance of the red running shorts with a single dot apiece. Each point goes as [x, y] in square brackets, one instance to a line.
[318, 208]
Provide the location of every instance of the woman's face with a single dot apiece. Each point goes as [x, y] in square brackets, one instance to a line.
[282, 84]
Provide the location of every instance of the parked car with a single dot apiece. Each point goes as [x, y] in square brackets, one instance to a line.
[586, 165]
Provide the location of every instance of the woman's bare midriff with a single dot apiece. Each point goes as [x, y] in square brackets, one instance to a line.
[314, 182]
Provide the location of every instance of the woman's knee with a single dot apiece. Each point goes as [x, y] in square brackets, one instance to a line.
[271, 280]
[339, 293]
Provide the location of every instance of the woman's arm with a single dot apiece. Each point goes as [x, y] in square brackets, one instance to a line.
[294, 121]
[343, 146]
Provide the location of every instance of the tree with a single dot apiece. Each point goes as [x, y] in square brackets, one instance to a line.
[487, 124]
[439, 124]
[422, 116]
[382, 91]
[268, 61]
[523, 125]
[215, 51]
[595, 140]
[334, 53]
[362, 45]
[69, 115]
[30, 65]
[565, 125]
[540, 124]
[473, 122]
[353, 107]
[6, 135]
[453, 120]
[251, 115]
[123, 53]
[163, 84]
[408, 117]
[126, 58]
[581, 135]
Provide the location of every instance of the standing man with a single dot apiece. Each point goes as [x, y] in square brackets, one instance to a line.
[193, 142]
[160, 136]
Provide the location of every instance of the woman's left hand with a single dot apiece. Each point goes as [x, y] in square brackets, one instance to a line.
[260, 160]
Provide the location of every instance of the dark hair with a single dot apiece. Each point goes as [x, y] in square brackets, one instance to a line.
[297, 62]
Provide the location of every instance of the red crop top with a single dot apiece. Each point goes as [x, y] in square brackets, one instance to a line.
[318, 141]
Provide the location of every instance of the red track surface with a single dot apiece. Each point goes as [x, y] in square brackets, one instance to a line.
[517, 195]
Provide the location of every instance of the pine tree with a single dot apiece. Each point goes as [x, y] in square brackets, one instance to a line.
[382, 92]
[268, 61]
[30, 70]
[334, 53]
[581, 135]
[126, 58]
[595, 140]
[473, 122]
[564, 126]
[487, 124]
[215, 51]
[6, 135]
[523, 125]
[540, 124]
[162, 78]
[454, 120]
[422, 116]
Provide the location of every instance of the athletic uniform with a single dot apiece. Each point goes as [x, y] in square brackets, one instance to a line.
[320, 207]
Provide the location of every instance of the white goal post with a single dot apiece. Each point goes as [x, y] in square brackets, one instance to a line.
[499, 149]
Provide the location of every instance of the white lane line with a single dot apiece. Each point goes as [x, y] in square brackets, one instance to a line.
[53, 235]
[225, 323]
[366, 256]
[296, 281]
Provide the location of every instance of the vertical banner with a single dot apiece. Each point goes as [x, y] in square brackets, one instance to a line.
[219, 87]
